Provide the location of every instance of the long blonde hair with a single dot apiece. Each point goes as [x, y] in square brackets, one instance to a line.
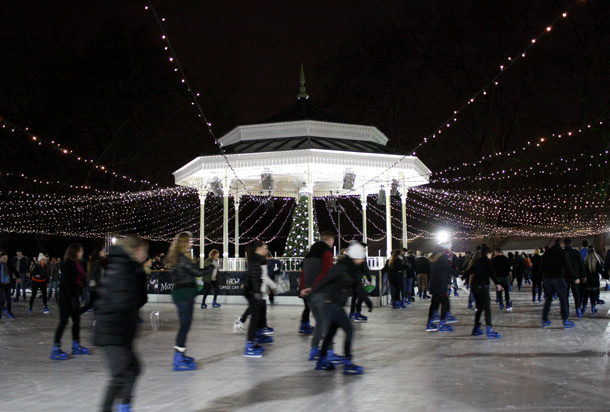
[591, 261]
[180, 245]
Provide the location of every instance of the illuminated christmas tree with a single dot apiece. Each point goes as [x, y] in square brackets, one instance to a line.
[297, 243]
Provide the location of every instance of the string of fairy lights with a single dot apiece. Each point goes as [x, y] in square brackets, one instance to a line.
[160, 213]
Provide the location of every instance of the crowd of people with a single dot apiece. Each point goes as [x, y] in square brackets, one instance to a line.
[113, 284]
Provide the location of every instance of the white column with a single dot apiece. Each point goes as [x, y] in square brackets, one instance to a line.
[388, 222]
[403, 201]
[201, 228]
[225, 222]
[236, 225]
[363, 201]
[310, 234]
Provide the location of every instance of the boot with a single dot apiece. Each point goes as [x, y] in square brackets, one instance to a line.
[491, 334]
[477, 331]
[314, 353]
[450, 319]
[203, 305]
[124, 407]
[331, 356]
[252, 351]
[57, 353]
[350, 369]
[216, 304]
[593, 309]
[183, 363]
[77, 349]
[443, 327]
[431, 327]
[567, 324]
[306, 328]
[324, 365]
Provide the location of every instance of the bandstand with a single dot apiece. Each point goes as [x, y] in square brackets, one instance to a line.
[302, 152]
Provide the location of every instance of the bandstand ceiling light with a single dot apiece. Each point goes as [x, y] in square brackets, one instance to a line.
[381, 196]
[267, 181]
[349, 178]
[216, 187]
[395, 186]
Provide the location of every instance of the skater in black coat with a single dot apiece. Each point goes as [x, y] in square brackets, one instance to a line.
[119, 300]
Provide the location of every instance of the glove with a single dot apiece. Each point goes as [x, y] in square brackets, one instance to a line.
[199, 281]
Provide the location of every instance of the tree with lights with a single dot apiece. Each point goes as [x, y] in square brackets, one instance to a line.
[297, 243]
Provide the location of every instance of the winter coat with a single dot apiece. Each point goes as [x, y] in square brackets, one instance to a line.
[556, 264]
[578, 267]
[482, 270]
[120, 299]
[422, 265]
[440, 272]
[316, 264]
[253, 279]
[210, 263]
[536, 260]
[21, 265]
[593, 277]
[69, 287]
[40, 274]
[341, 281]
[411, 270]
[502, 268]
[186, 271]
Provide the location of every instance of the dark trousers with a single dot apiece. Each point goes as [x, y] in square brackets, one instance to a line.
[316, 305]
[396, 283]
[519, 278]
[53, 287]
[208, 288]
[481, 297]
[5, 296]
[592, 295]
[124, 368]
[536, 286]
[65, 312]
[504, 285]
[305, 314]
[335, 318]
[36, 286]
[552, 286]
[442, 300]
[356, 305]
[575, 293]
[185, 313]
[257, 307]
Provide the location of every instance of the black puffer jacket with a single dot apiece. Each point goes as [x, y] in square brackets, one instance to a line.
[253, 279]
[341, 281]
[120, 298]
[556, 264]
[186, 271]
[440, 273]
[422, 265]
[411, 269]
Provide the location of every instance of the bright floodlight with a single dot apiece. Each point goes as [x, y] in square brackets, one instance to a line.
[113, 240]
[442, 237]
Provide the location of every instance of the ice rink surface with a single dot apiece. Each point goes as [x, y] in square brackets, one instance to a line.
[406, 369]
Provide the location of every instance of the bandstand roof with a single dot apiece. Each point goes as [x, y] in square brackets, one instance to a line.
[304, 150]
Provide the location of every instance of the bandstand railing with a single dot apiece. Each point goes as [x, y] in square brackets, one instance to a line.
[291, 264]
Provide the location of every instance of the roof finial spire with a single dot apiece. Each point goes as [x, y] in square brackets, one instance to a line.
[302, 93]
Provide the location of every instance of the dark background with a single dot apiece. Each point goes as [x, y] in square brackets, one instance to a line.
[94, 76]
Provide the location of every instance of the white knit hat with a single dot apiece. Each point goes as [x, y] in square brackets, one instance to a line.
[355, 250]
[41, 256]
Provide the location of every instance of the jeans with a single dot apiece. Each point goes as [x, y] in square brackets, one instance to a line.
[552, 286]
[25, 282]
[335, 318]
[306, 311]
[124, 369]
[66, 310]
[5, 296]
[481, 297]
[316, 305]
[536, 287]
[442, 300]
[504, 285]
[396, 283]
[185, 313]
[408, 282]
[43, 289]
[53, 287]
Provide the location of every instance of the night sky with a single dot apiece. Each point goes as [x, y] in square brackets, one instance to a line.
[94, 76]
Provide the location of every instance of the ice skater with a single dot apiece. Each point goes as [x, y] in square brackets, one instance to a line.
[72, 282]
[555, 268]
[336, 287]
[480, 272]
[40, 278]
[187, 283]
[6, 278]
[212, 263]
[117, 305]
[440, 274]
[504, 277]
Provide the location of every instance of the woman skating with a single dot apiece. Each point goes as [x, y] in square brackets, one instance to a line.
[73, 277]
